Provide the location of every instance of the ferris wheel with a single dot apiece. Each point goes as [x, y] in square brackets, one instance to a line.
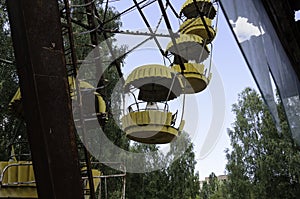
[189, 53]
[152, 86]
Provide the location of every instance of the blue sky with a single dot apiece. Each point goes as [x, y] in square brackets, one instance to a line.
[228, 63]
[297, 15]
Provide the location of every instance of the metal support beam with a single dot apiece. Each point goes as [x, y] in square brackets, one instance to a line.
[38, 45]
[149, 27]
[203, 20]
[172, 34]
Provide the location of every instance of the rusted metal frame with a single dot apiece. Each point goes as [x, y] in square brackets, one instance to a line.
[132, 49]
[77, 88]
[71, 38]
[103, 31]
[172, 34]
[83, 127]
[123, 175]
[202, 19]
[149, 27]
[125, 11]
[136, 33]
[79, 23]
[108, 176]
[17, 124]
[117, 31]
[78, 94]
[105, 11]
[138, 45]
[115, 61]
[111, 19]
[38, 46]
[90, 9]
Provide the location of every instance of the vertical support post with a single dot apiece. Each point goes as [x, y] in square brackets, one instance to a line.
[38, 45]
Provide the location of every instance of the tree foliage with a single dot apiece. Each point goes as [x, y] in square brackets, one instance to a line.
[177, 181]
[12, 127]
[184, 181]
[263, 162]
[213, 188]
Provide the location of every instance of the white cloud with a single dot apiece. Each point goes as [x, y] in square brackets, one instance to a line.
[245, 30]
[297, 15]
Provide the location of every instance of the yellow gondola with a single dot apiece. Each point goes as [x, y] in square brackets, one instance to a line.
[156, 83]
[88, 95]
[151, 126]
[150, 121]
[16, 104]
[196, 26]
[190, 47]
[17, 180]
[196, 76]
[190, 10]
[96, 179]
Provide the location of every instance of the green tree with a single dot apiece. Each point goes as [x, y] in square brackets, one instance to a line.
[263, 162]
[151, 184]
[183, 180]
[177, 181]
[213, 188]
[12, 126]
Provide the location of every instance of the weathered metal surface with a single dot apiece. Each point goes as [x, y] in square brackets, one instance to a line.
[36, 33]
